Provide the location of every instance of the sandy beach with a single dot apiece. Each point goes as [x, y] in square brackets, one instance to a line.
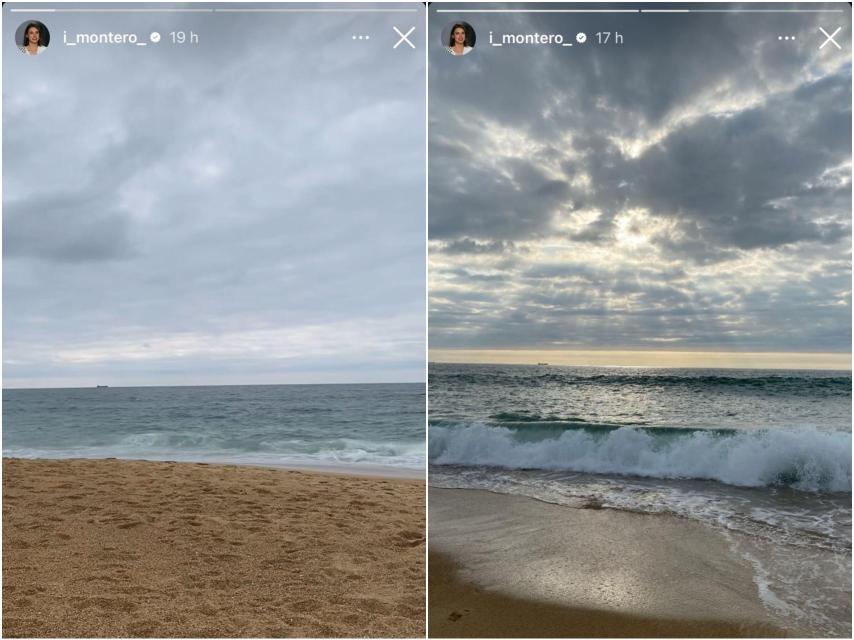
[510, 566]
[112, 548]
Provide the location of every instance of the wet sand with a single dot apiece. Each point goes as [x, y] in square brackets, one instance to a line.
[112, 548]
[509, 566]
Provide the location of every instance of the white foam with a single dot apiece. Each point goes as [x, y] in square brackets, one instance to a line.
[153, 446]
[808, 459]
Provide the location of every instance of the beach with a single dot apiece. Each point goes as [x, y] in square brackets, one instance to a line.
[117, 548]
[641, 474]
[511, 566]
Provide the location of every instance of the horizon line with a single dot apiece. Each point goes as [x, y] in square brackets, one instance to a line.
[814, 360]
[164, 386]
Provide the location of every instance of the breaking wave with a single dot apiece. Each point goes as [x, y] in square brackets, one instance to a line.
[808, 460]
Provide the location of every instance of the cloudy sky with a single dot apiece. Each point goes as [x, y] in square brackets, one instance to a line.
[688, 190]
[248, 210]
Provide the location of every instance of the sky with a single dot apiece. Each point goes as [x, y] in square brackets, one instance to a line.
[248, 210]
[686, 191]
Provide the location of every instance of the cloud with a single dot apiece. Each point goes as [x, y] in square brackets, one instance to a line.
[466, 245]
[517, 201]
[199, 197]
[626, 196]
[66, 228]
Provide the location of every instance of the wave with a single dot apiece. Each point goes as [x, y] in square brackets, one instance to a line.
[196, 447]
[532, 426]
[808, 460]
[811, 383]
[509, 416]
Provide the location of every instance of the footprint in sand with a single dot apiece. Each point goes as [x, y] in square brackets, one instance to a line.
[456, 615]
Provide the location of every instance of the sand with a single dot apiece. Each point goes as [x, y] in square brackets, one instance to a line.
[113, 548]
[510, 566]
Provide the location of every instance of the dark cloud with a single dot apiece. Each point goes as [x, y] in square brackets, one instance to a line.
[518, 202]
[694, 182]
[466, 245]
[743, 178]
[66, 228]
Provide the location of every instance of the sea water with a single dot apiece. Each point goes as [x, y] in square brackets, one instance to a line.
[358, 426]
[762, 456]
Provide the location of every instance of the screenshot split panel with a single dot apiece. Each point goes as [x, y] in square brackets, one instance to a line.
[447, 319]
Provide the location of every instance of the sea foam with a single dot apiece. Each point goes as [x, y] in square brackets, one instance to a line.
[808, 460]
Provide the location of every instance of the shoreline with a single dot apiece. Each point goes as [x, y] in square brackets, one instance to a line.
[513, 566]
[462, 609]
[347, 470]
[112, 548]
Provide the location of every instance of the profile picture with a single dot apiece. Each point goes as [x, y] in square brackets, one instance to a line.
[32, 37]
[458, 38]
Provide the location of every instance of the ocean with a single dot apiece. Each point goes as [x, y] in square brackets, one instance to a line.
[369, 427]
[762, 456]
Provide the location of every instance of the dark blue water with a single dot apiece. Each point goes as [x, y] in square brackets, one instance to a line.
[370, 424]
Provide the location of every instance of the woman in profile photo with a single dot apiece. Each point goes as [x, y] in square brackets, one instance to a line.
[34, 43]
[459, 43]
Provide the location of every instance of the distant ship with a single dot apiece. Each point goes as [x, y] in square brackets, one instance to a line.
[102, 386]
[543, 364]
